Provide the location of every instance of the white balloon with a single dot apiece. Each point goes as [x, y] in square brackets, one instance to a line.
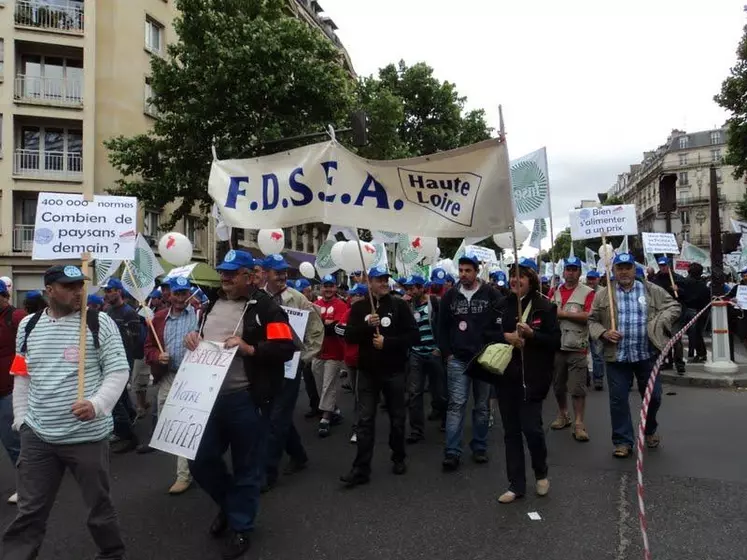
[351, 256]
[307, 270]
[424, 246]
[505, 240]
[606, 254]
[175, 249]
[271, 241]
[436, 253]
[508, 258]
[8, 282]
[336, 253]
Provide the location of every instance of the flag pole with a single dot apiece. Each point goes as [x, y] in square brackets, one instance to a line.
[513, 219]
[552, 230]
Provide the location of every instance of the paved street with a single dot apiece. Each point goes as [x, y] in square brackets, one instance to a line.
[696, 484]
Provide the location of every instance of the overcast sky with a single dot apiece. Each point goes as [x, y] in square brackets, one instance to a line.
[597, 82]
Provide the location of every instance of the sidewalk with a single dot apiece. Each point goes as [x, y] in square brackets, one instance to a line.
[696, 376]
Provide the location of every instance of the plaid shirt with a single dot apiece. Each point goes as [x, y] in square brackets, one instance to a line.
[174, 331]
[632, 322]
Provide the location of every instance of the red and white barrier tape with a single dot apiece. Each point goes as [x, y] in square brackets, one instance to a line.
[642, 425]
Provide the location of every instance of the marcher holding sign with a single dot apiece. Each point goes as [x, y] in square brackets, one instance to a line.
[249, 320]
[675, 288]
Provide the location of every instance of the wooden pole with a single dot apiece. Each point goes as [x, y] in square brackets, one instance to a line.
[671, 279]
[366, 279]
[85, 261]
[148, 321]
[610, 285]
[502, 133]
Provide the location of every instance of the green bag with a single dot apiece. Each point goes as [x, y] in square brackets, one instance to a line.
[496, 357]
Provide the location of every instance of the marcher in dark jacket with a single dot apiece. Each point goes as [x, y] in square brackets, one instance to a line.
[384, 336]
[521, 389]
[696, 297]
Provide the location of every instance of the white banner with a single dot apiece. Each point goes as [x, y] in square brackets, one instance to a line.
[531, 187]
[589, 223]
[695, 254]
[660, 243]
[738, 227]
[298, 318]
[139, 274]
[181, 423]
[449, 194]
[67, 226]
[182, 271]
[539, 232]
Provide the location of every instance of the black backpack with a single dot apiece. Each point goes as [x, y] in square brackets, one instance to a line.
[92, 318]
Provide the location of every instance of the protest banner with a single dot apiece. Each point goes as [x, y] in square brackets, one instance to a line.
[449, 194]
[182, 421]
[589, 223]
[660, 243]
[742, 297]
[68, 226]
[483, 254]
[182, 271]
[530, 186]
[298, 318]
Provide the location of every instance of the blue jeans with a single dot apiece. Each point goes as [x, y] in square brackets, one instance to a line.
[422, 368]
[123, 414]
[619, 378]
[11, 439]
[597, 362]
[235, 422]
[458, 386]
[283, 435]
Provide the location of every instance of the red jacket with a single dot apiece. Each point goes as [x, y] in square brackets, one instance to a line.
[157, 369]
[8, 347]
[351, 350]
[333, 347]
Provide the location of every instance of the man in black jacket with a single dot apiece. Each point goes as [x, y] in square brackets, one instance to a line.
[246, 317]
[384, 336]
[674, 286]
[469, 319]
[696, 297]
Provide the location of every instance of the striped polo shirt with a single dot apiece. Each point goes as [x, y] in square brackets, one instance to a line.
[422, 318]
[52, 361]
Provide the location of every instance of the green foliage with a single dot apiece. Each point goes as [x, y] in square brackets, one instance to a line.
[733, 97]
[741, 208]
[243, 72]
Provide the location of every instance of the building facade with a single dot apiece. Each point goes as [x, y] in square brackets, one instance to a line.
[689, 156]
[73, 74]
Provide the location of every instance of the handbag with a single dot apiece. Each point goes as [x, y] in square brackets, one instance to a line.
[495, 357]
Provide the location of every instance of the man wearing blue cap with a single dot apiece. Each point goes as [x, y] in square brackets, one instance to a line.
[500, 282]
[469, 319]
[304, 286]
[597, 362]
[248, 318]
[171, 325]
[574, 301]
[384, 334]
[674, 286]
[645, 314]
[425, 359]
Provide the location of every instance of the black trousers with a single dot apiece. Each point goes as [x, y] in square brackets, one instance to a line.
[310, 385]
[369, 386]
[521, 418]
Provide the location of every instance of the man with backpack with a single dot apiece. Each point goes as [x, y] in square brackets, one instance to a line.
[10, 317]
[58, 431]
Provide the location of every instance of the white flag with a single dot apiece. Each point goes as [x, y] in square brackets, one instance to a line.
[590, 260]
[738, 227]
[531, 186]
[222, 230]
[539, 232]
[623, 248]
[139, 274]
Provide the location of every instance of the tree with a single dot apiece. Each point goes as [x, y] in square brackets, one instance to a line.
[243, 72]
[733, 97]
[412, 113]
[742, 208]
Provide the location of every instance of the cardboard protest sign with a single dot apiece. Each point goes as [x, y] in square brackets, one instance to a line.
[665, 243]
[68, 226]
[589, 223]
[298, 318]
[182, 422]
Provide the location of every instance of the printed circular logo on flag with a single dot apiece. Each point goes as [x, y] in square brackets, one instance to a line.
[72, 271]
[529, 185]
[181, 281]
[230, 256]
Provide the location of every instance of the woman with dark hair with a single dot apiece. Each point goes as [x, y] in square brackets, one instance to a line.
[34, 302]
[535, 337]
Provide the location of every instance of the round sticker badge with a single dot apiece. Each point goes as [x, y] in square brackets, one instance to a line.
[72, 271]
[417, 316]
[441, 274]
[642, 300]
[386, 321]
[463, 326]
[330, 311]
[230, 256]
[71, 354]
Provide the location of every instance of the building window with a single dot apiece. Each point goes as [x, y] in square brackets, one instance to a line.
[153, 36]
[683, 159]
[716, 155]
[151, 222]
[685, 217]
[149, 109]
[683, 178]
[50, 149]
[50, 78]
[190, 230]
[684, 142]
[715, 137]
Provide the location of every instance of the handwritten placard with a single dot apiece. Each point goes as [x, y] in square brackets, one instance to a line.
[182, 422]
[660, 243]
[298, 318]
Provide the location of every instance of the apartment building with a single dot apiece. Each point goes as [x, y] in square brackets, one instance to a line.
[690, 156]
[74, 73]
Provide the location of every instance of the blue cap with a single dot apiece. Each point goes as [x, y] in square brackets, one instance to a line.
[179, 284]
[438, 276]
[573, 261]
[382, 272]
[113, 284]
[275, 262]
[623, 258]
[359, 290]
[470, 259]
[640, 272]
[34, 294]
[3, 288]
[401, 280]
[356, 273]
[235, 260]
[450, 278]
[525, 262]
[155, 294]
[662, 261]
[545, 280]
[301, 284]
[743, 271]
[329, 279]
[414, 280]
[593, 274]
[93, 299]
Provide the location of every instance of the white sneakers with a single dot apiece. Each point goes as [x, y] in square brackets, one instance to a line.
[542, 488]
[13, 499]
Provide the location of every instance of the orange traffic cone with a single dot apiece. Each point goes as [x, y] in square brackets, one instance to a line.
[18, 367]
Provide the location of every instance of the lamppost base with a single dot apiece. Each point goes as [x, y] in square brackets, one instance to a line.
[722, 367]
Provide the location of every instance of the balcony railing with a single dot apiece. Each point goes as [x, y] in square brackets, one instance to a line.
[46, 90]
[64, 166]
[64, 16]
[23, 238]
